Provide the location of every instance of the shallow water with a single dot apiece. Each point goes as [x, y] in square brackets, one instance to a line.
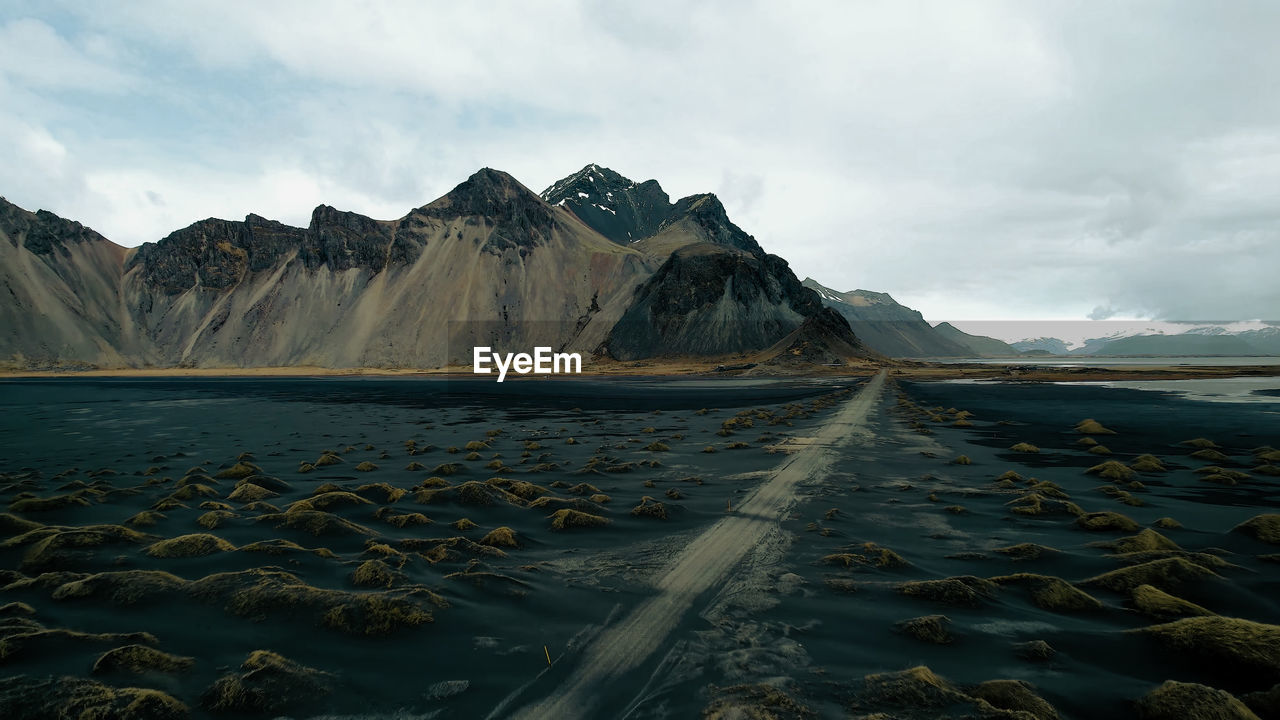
[784, 617]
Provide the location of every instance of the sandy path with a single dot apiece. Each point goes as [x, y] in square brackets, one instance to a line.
[703, 564]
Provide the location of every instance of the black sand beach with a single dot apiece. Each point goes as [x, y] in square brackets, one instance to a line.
[377, 597]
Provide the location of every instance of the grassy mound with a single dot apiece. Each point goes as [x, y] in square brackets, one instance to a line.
[1265, 528]
[760, 701]
[249, 492]
[146, 518]
[1112, 470]
[1024, 447]
[917, 687]
[315, 522]
[1210, 456]
[1107, 520]
[1154, 602]
[1167, 523]
[649, 507]
[962, 460]
[1144, 541]
[193, 545]
[934, 629]
[125, 587]
[328, 502]
[238, 471]
[278, 546]
[27, 698]
[500, 537]
[472, 493]
[565, 519]
[964, 590]
[59, 641]
[1034, 650]
[266, 683]
[1168, 574]
[1201, 443]
[1248, 648]
[869, 554]
[58, 547]
[264, 592]
[381, 492]
[1015, 696]
[463, 525]
[1089, 426]
[140, 659]
[522, 489]
[57, 502]
[1147, 464]
[1025, 551]
[1191, 701]
[1051, 593]
[215, 519]
[1037, 504]
[373, 574]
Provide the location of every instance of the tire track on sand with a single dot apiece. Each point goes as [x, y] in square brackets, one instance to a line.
[704, 563]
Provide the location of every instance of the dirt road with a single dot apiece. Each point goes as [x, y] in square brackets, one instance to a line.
[703, 564]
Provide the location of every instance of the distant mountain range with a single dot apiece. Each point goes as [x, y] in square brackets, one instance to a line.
[597, 264]
[1209, 340]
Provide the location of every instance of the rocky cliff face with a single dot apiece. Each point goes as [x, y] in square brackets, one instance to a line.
[488, 263]
[59, 300]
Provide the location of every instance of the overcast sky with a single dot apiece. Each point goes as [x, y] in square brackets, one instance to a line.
[1020, 160]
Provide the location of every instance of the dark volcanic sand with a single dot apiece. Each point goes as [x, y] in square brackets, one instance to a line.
[785, 618]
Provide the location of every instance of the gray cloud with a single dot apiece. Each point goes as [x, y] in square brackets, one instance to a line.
[977, 160]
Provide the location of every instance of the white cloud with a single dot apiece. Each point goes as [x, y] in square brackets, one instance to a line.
[976, 160]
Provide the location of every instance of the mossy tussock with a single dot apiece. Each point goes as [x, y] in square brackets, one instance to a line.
[328, 502]
[251, 492]
[193, 545]
[265, 592]
[140, 659]
[1035, 504]
[1025, 551]
[1051, 593]
[1146, 540]
[280, 546]
[934, 629]
[382, 493]
[1112, 470]
[48, 504]
[83, 699]
[1017, 697]
[567, 519]
[52, 547]
[1168, 574]
[962, 590]
[1148, 464]
[374, 574]
[471, 493]
[650, 508]
[1264, 528]
[450, 550]
[267, 683]
[869, 554]
[60, 640]
[124, 587]
[503, 537]
[314, 522]
[240, 470]
[1234, 645]
[1024, 447]
[1106, 521]
[1191, 701]
[1089, 426]
[1156, 603]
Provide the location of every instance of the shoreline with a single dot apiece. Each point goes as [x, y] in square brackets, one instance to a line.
[907, 370]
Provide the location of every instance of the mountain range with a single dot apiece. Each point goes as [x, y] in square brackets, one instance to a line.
[596, 264]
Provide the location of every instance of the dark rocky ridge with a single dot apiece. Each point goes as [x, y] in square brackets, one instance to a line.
[886, 325]
[709, 300]
[42, 231]
[625, 211]
[351, 291]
